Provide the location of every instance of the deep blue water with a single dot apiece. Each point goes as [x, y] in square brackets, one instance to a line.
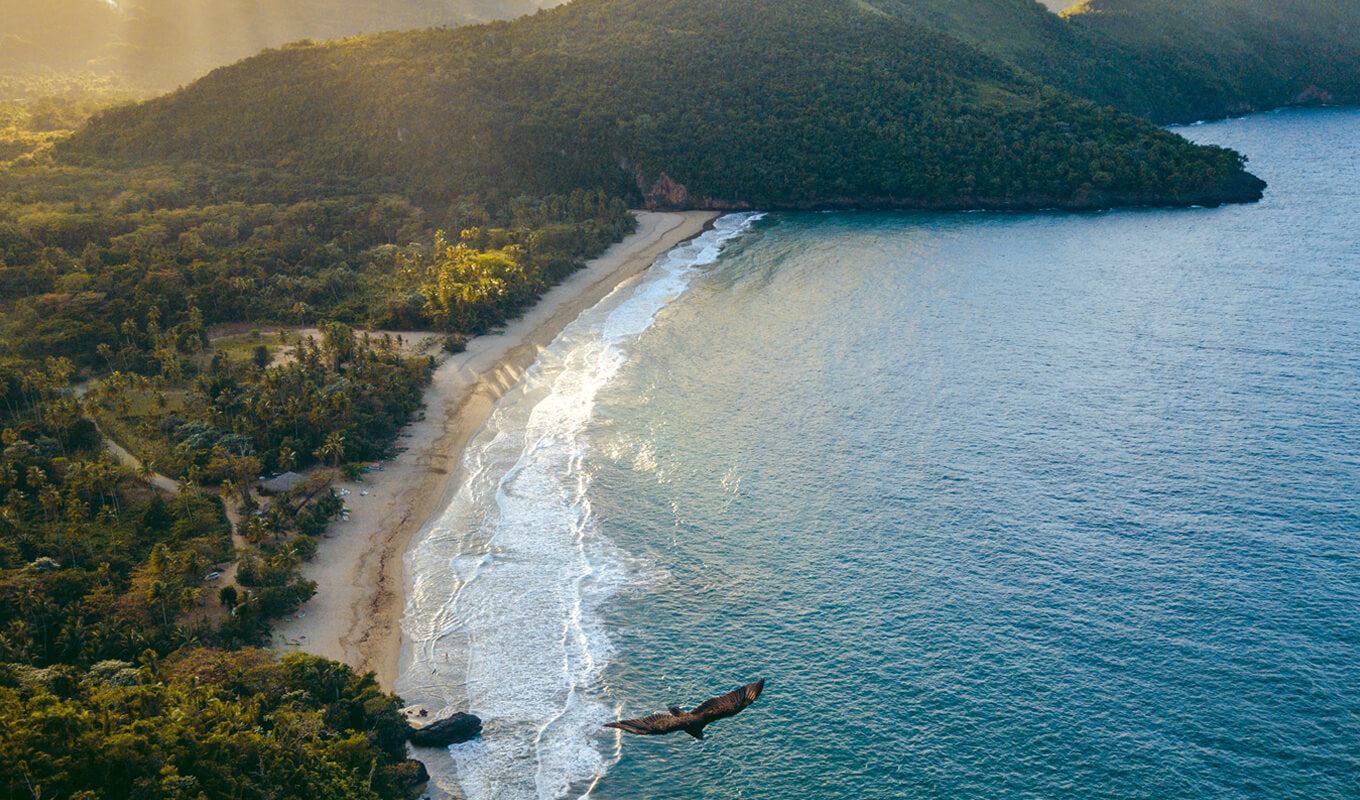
[1002, 505]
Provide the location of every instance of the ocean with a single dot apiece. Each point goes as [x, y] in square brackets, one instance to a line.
[1001, 505]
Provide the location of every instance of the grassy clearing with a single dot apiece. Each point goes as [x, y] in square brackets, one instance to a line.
[133, 425]
[242, 348]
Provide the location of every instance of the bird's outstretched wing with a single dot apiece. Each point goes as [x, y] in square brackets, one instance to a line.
[728, 704]
[652, 725]
[693, 722]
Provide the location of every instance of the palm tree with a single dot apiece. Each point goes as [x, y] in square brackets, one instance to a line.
[50, 499]
[254, 530]
[333, 449]
[159, 592]
[186, 487]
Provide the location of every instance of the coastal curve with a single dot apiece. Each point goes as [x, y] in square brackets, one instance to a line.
[355, 616]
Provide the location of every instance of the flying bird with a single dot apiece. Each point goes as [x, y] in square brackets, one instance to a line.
[693, 721]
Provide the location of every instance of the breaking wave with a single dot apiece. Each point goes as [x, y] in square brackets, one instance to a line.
[505, 585]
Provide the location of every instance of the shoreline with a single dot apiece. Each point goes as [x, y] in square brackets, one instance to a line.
[356, 614]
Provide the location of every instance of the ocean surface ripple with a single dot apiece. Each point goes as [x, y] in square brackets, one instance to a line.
[1006, 505]
[1002, 506]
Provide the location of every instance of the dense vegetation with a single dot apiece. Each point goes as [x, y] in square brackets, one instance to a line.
[1167, 60]
[37, 111]
[97, 567]
[201, 724]
[139, 261]
[1220, 57]
[125, 300]
[717, 104]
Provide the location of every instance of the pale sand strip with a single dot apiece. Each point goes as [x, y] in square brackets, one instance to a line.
[356, 614]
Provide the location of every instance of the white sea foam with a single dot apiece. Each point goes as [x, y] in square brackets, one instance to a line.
[505, 587]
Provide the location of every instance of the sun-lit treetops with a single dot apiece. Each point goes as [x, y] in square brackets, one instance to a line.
[717, 104]
[38, 110]
[92, 257]
[114, 285]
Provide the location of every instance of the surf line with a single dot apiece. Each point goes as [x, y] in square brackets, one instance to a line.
[506, 586]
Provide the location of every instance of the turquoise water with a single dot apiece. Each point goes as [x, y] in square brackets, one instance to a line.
[1001, 505]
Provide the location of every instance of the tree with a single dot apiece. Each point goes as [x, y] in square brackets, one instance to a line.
[159, 593]
[333, 449]
[339, 342]
[254, 530]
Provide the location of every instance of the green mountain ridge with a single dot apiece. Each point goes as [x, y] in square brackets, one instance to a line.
[1166, 60]
[716, 104]
[1216, 58]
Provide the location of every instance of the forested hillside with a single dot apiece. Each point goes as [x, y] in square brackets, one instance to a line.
[1167, 60]
[714, 104]
[1222, 57]
[1062, 55]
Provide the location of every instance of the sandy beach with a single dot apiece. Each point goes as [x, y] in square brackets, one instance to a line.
[355, 616]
